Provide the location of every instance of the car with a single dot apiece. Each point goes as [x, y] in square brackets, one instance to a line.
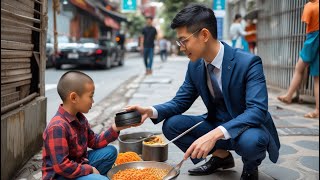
[132, 46]
[89, 51]
[117, 52]
[49, 53]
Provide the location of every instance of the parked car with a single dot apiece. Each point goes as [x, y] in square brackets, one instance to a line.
[49, 53]
[116, 51]
[132, 46]
[88, 51]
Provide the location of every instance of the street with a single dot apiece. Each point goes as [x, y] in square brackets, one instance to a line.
[299, 136]
[105, 81]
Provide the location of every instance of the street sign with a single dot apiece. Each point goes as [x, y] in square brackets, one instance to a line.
[219, 5]
[220, 28]
[219, 9]
[128, 5]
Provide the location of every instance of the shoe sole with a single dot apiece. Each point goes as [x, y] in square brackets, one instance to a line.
[223, 167]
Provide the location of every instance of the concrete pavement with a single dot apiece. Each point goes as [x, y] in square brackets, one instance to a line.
[299, 136]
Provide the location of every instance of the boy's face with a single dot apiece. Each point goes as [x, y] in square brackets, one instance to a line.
[85, 101]
[192, 44]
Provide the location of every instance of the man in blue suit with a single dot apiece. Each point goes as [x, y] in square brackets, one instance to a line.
[232, 86]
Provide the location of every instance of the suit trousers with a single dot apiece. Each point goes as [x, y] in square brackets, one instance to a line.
[251, 145]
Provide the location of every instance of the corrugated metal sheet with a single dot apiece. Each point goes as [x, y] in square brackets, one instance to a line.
[280, 38]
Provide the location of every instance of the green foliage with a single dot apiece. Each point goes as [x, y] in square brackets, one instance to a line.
[135, 24]
[172, 7]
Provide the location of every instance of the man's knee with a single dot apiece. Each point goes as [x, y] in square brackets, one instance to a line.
[171, 126]
[253, 143]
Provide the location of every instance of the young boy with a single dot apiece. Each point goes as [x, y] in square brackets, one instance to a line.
[68, 135]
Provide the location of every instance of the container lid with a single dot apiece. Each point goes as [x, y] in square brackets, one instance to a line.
[127, 118]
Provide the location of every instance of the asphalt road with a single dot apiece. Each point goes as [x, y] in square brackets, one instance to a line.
[106, 81]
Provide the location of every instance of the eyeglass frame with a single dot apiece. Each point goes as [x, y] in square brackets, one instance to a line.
[180, 42]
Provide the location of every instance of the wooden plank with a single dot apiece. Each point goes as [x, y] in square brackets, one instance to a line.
[15, 8]
[23, 38]
[24, 91]
[9, 98]
[16, 20]
[17, 16]
[16, 60]
[13, 72]
[7, 66]
[13, 22]
[15, 84]
[15, 45]
[10, 79]
[15, 54]
[7, 91]
[21, 4]
[15, 30]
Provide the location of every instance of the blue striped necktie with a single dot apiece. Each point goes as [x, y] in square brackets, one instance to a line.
[216, 90]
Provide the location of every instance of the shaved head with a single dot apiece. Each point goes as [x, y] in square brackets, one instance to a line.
[72, 81]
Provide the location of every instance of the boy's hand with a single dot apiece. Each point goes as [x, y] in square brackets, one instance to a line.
[117, 129]
[95, 171]
[146, 112]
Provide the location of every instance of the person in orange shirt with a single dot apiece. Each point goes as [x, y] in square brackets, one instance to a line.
[251, 38]
[309, 56]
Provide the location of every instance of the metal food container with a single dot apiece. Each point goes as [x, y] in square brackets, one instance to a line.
[155, 152]
[127, 118]
[141, 165]
[132, 141]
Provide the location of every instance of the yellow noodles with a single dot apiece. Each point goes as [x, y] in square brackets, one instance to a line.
[140, 174]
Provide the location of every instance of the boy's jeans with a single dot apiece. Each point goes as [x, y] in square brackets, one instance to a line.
[102, 159]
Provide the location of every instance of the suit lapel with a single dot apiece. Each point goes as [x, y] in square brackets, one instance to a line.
[228, 64]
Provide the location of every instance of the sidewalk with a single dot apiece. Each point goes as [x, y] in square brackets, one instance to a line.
[299, 137]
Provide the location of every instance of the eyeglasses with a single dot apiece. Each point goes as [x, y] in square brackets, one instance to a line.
[181, 42]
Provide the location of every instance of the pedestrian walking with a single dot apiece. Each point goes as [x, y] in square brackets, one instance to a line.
[309, 57]
[233, 88]
[163, 46]
[149, 34]
[252, 38]
[68, 135]
[237, 34]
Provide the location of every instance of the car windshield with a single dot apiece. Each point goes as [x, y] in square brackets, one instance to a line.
[63, 39]
[86, 40]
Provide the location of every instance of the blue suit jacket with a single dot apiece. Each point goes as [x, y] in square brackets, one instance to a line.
[244, 91]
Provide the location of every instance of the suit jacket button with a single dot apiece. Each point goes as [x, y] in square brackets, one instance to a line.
[229, 67]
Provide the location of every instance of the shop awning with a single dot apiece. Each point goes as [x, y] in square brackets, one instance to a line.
[111, 23]
[82, 4]
[112, 14]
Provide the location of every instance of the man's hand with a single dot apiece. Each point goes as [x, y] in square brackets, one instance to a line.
[95, 171]
[202, 146]
[146, 112]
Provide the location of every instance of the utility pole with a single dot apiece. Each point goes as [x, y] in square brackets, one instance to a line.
[56, 9]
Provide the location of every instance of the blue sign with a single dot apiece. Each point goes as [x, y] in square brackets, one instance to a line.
[129, 5]
[219, 5]
[220, 28]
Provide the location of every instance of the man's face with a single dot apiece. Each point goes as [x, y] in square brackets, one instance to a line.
[85, 101]
[190, 43]
[149, 21]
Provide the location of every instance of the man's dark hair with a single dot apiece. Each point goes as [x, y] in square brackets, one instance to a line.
[237, 16]
[149, 17]
[72, 81]
[195, 17]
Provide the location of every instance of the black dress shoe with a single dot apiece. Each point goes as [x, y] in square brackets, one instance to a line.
[253, 175]
[212, 165]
